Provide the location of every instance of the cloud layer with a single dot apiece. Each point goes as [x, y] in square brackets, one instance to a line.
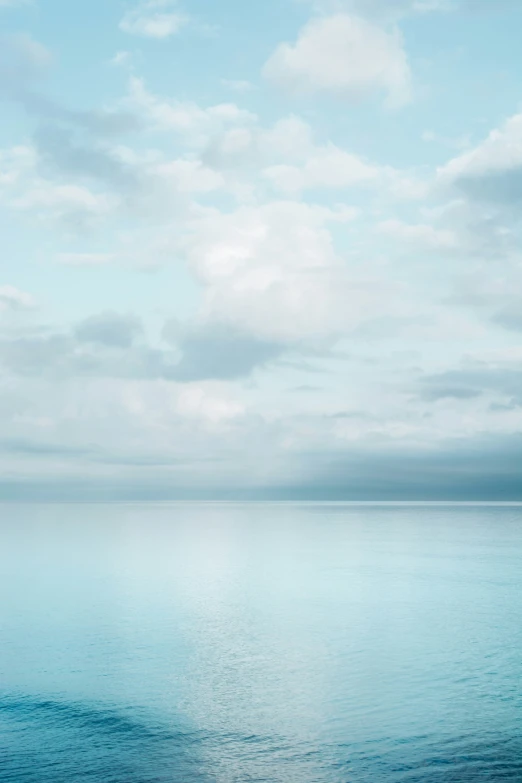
[262, 265]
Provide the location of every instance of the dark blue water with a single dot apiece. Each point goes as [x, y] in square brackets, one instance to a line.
[277, 643]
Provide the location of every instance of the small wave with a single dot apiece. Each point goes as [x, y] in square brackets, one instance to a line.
[425, 759]
[88, 718]
[54, 741]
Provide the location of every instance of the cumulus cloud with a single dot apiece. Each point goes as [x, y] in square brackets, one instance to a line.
[288, 157]
[158, 19]
[230, 150]
[326, 167]
[194, 122]
[273, 271]
[253, 147]
[492, 170]
[346, 56]
[189, 176]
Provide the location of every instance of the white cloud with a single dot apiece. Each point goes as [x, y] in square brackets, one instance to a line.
[344, 55]
[342, 295]
[273, 271]
[489, 177]
[327, 167]
[189, 119]
[420, 234]
[289, 140]
[204, 402]
[500, 152]
[22, 188]
[189, 176]
[482, 230]
[238, 154]
[15, 164]
[12, 298]
[61, 202]
[288, 157]
[153, 19]
[121, 58]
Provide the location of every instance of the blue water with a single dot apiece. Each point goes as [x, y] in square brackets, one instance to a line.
[277, 643]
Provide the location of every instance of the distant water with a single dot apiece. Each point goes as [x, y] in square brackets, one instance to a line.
[275, 643]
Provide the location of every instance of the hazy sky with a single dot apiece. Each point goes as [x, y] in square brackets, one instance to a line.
[261, 249]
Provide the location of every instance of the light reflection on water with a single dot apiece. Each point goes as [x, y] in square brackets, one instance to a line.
[263, 642]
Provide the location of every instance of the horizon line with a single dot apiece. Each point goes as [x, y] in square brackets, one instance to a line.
[238, 501]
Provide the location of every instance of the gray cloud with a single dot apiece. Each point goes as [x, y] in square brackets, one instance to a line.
[34, 354]
[109, 329]
[65, 355]
[441, 392]
[107, 345]
[473, 382]
[357, 415]
[479, 468]
[35, 448]
[58, 148]
[306, 388]
[497, 186]
[497, 407]
[485, 468]
[510, 316]
[24, 63]
[93, 453]
[222, 352]
[98, 122]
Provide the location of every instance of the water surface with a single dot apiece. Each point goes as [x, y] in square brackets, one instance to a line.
[262, 642]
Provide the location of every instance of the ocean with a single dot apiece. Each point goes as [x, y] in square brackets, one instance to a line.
[275, 643]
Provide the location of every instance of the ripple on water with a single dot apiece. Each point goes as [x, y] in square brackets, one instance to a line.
[53, 741]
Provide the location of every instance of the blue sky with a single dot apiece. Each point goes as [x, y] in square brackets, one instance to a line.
[261, 249]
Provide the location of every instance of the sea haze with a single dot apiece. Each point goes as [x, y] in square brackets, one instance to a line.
[284, 643]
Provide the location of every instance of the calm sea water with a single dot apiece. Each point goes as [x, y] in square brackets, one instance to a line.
[278, 643]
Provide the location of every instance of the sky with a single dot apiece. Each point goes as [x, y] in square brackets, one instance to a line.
[263, 250]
